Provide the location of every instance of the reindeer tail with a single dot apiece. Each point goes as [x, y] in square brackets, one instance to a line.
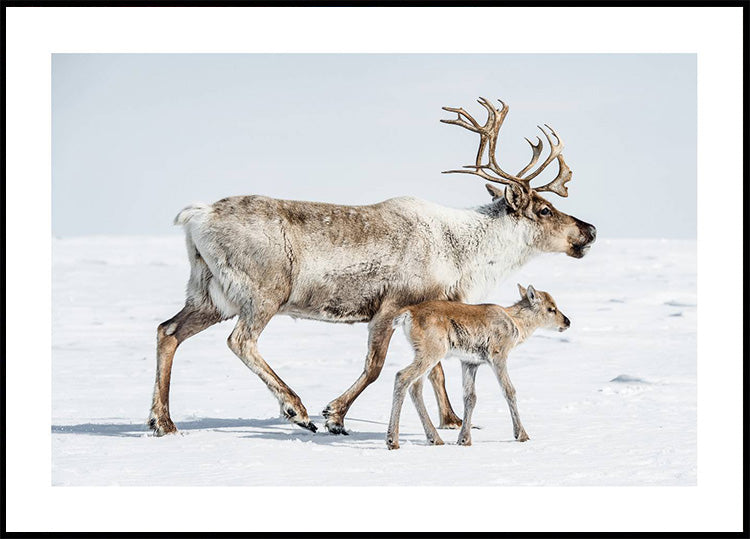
[191, 211]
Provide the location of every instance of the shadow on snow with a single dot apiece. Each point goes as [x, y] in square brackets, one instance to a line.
[132, 429]
[286, 431]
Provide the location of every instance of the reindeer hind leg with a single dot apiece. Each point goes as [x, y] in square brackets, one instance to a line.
[244, 343]
[189, 321]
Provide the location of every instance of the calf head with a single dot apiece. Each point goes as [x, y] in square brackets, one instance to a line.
[544, 309]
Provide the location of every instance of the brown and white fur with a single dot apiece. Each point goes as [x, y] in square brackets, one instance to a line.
[475, 334]
[254, 257]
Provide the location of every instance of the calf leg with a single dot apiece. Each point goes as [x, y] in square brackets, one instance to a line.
[189, 321]
[501, 371]
[244, 343]
[404, 378]
[468, 375]
[429, 429]
[448, 418]
[380, 335]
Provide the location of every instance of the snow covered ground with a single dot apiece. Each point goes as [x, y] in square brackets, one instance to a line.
[610, 402]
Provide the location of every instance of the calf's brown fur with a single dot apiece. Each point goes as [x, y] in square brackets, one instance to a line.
[475, 334]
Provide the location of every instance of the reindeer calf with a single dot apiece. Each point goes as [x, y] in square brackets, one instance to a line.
[475, 334]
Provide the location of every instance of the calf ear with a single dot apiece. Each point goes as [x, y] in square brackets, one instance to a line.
[522, 290]
[532, 295]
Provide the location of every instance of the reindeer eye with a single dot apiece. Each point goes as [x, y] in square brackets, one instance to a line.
[551, 310]
[545, 211]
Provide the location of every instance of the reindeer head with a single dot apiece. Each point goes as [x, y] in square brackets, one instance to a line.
[544, 309]
[550, 230]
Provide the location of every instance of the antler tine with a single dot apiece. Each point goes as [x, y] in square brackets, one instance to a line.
[460, 121]
[487, 133]
[564, 174]
[478, 170]
[488, 136]
[536, 150]
[556, 149]
[495, 119]
[557, 185]
[491, 111]
[473, 126]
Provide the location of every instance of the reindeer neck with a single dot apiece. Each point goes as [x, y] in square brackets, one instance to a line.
[505, 244]
[524, 318]
[505, 236]
[496, 245]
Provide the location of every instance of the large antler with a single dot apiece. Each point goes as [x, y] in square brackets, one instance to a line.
[488, 139]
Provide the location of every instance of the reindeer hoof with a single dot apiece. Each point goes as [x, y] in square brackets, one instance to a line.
[162, 427]
[336, 428]
[466, 442]
[436, 441]
[334, 424]
[309, 425]
[296, 413]
[523, 437]
[391, 444]
[328, 412]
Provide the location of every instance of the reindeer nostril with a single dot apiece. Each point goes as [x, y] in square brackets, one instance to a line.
[592, 231]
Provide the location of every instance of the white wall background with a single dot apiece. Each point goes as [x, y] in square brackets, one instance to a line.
[137, 137]
[715, 34]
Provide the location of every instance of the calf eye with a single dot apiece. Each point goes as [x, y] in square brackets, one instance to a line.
[545, 211]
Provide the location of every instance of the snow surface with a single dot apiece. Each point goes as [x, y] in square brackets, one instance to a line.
[612, 401]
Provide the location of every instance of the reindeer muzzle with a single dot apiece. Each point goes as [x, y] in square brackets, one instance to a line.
[586, 238]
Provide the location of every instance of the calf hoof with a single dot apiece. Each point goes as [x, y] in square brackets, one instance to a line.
[391, 443]
[162, 426]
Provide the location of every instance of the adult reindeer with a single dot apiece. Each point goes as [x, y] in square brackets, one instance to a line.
[254, 257]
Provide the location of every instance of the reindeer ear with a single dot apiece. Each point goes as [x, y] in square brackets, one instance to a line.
[532, 295]
[521, 290]
[513, 197]
[494, 191]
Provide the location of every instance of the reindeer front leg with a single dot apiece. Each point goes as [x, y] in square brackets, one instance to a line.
[381, 330]
[448, 418]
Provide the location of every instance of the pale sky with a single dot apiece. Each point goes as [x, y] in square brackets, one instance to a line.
[135, 138]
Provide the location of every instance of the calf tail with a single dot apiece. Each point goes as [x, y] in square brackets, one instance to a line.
[402, 318]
